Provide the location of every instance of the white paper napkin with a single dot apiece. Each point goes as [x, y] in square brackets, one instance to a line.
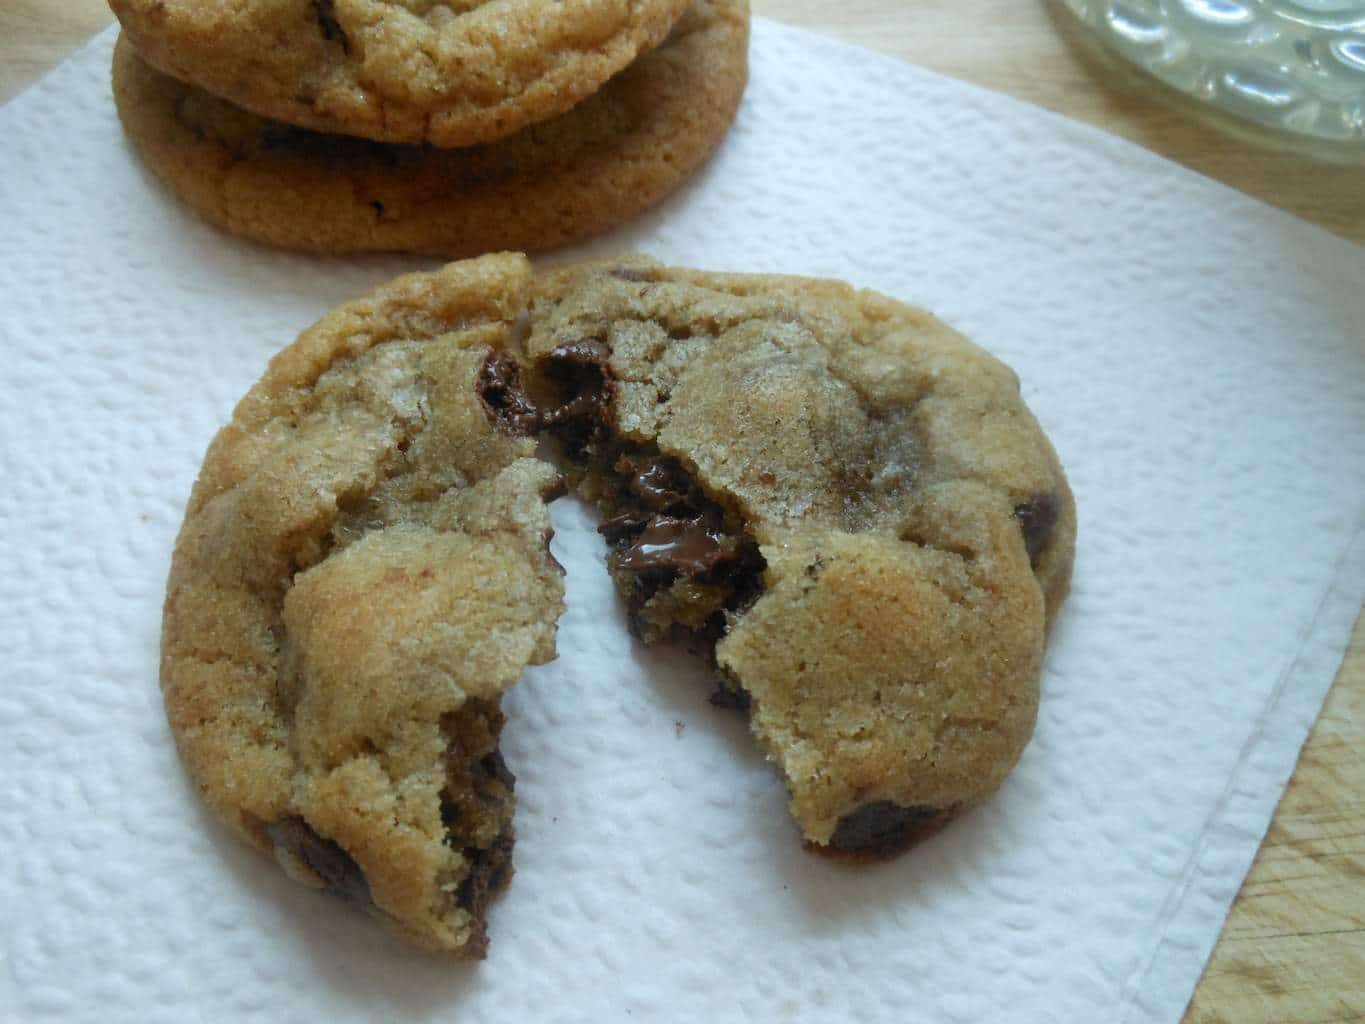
[1196, 357]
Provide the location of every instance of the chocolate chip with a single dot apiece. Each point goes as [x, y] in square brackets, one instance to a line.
[646, 486]
[746, 578]
[664, 529]
[881, 827]
[582, 372]
[685, 546]
[505, 402]
[1037, 519]
[324, 858]
[478, 782]
[654, 483]
[620, 526]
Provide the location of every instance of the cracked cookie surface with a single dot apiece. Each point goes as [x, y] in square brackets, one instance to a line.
[362, 571]
[611, 157]
[447, 72]
[847, 502]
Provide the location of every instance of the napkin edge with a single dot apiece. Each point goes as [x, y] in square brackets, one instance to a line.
[1162, 987]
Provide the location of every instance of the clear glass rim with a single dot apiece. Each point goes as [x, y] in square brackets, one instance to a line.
[1085, 15]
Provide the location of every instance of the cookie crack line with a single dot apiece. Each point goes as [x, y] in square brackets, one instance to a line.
[365, 567]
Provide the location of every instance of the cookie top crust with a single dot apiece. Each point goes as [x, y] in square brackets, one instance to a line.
[913, 529]
[362, 571]
[606, 160]
[447, 72]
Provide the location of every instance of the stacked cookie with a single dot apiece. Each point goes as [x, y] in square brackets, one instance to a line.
[450, 128]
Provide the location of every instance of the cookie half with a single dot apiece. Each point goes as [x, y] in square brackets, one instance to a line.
[844, 502]
[362, 572]
[451, 74]
[587, 171]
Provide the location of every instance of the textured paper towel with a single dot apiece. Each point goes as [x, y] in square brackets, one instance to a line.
[1195, 356]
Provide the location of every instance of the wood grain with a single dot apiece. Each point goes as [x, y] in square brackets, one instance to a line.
[1293, 948]
[36, 34]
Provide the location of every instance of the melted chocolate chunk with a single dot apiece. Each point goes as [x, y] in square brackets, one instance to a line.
[581, 370]
[646, 486]
[506, 403]
[490, 783]
[663, 529]
[686, 547]
[489, 872]
[746, 578]
[653, 482]
[324, 858]
[665, 532]
[478, 780]
[881, 827]
[619, 527]
[1037, 519]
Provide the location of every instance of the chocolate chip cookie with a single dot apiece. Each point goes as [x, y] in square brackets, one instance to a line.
[616, 154]
[362, 572]
[447, 72]
[843, 502]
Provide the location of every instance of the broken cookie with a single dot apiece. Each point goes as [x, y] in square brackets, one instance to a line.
[362, 572]
[843, 502]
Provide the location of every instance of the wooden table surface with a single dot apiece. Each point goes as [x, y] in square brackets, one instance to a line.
[1293, 948]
